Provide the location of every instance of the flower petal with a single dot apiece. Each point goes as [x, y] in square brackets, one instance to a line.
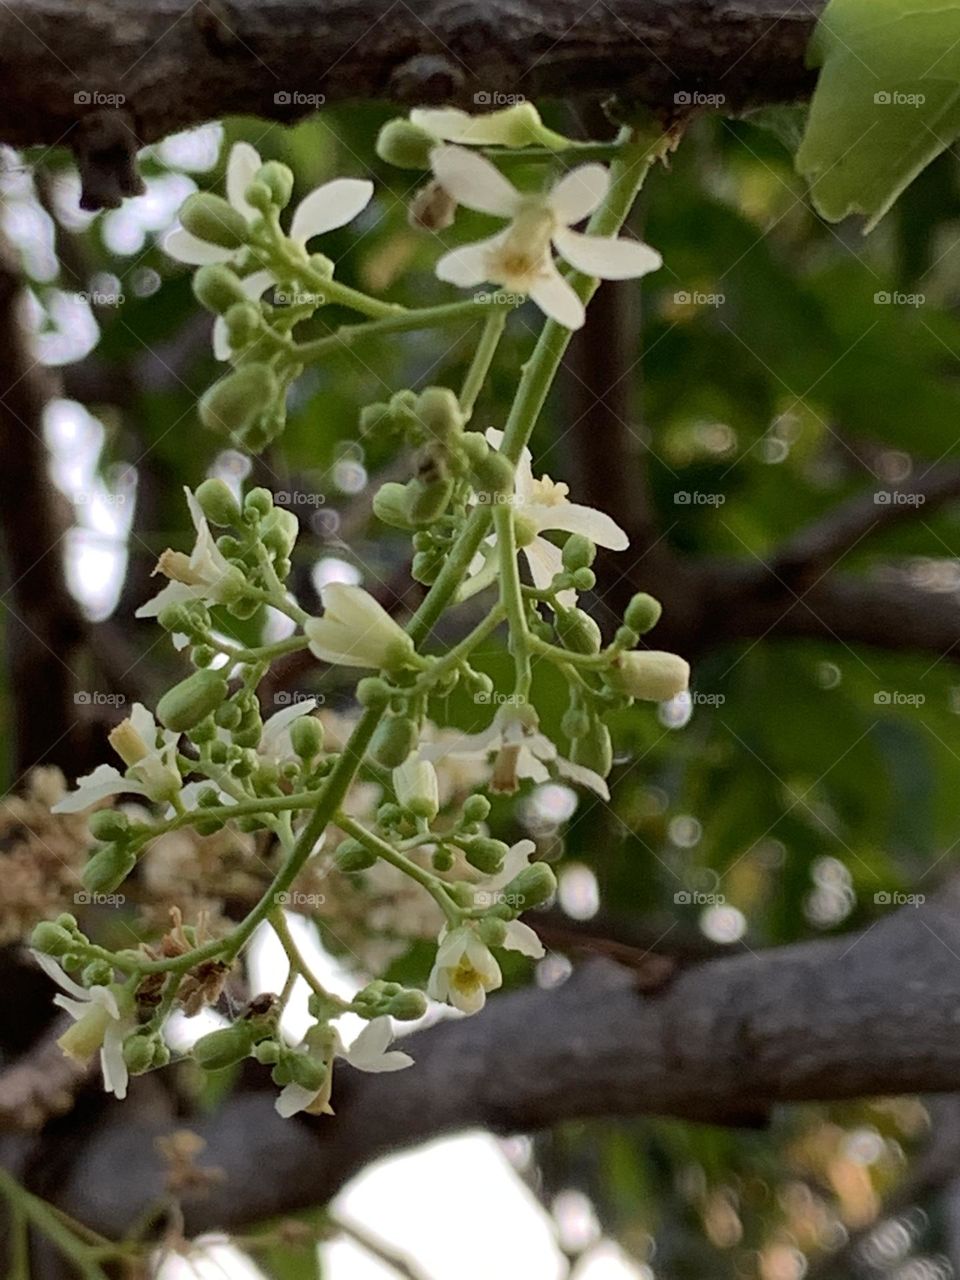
[523, 477]
[571, 517]
[545, 561]
[583, 776]
[103, 782]
[472, 180]
[241, 170]
[470, 264]
[294, 1098]
[186, 247]
[60, 976]
[606, 256]
[115, 1074]
[555, 297]
[520, 937]
[579, 192]
[332, 205]
[221, 339]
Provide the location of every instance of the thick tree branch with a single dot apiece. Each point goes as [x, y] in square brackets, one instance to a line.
[836, 1018]
[109, 75]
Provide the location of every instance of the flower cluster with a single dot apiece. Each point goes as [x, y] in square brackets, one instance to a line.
[207, 761]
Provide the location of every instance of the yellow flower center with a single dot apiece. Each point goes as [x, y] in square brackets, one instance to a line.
[465, 979]
[81, 1041]
[518, 260]
[550, 493]
[127, 743]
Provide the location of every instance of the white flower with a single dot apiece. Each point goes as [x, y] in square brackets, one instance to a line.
[150, 754]
[356, 631]
[369, 1052]
[520, 258]
[204, 575]
[275, 745]
[464, 970]
[542, 505]
[103, 1018]
[519, 936]
[520, 750]
[330, 206]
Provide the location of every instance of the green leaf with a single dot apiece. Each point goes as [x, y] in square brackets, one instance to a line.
[887, 102]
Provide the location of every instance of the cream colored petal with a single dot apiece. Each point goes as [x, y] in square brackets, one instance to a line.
[473, 181]
[606, 256]
[112, 1064]
[186, 247]
[571, 517]
[330, 206]
[294, 1098]
[579, 192]
[241, 170]
[555, 297]
[470, 264]
[520, 937]
[583, 776]
[103, 782]
[62, 978]
[545, 561]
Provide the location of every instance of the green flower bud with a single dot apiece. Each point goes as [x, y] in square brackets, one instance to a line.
[372, 691]
[584, 579]
[138, 1053]
[211, 218]
[258, 501]
[267, 1052]
[625, 638]
[98, 973]
[442, 858]
[578, 553]
[374, 416]
[575, 722]
[109, 824]
[493, 474]
[218, 503]
[493, 931]
[408, 1006]
[651, 675]
[404, 145]
[306, 1071]
[279, 531]
[391, 504]
[306, 737]
[278, 178]
[427, 499]
[594, 749]
[439, 412]
[258, 196]
[426, 566]
[643, 613]
[534, 885]
[108, 868]
[175, 617]
[201, 655]
[474, 447]
[227, 715]
[223, 1048]
[51, 939]
[218, 288]
[236, 401]
[192, 700]
[476, 808]
[218, 752]
[393, 741]
[578, 631]
[243, 321]
[485, 854]
[352, 856]
[415, 784]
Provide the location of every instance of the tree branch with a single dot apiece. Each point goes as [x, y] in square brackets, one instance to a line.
[849, 1016]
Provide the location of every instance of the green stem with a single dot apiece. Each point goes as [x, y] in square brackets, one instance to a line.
[453, 657]
[388, 853]
[278, 923]
[403, 322]
[42, 1216]
[511, 598]
[482, 359]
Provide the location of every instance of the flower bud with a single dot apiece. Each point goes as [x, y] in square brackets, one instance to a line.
[651, 675]
[237, 400]
[393, 741]
[476, 808]
[108, 868]
[306, 737]
[243, 322]
[415, 784]
[578, 631]
[534, 885]
[432, 208]
[217, 288]
[138, 1053]
[578, 552]
[192, 700]
[493, 931]
[223, 1048]
[211, 218]
[493, 474]
[642, 613]
[485, 854]
[218, 503]
[51, 939]
[371, 691]
[278, 179]
[428, 498]
[391, 504]
[404, 145]
[279, 531]
[98, 973]
[352, 856]
[439, 412]
[593, 749]
[407, 1006]
[258, 502]
[108, 824]
[356, 631]
[308, 1072]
